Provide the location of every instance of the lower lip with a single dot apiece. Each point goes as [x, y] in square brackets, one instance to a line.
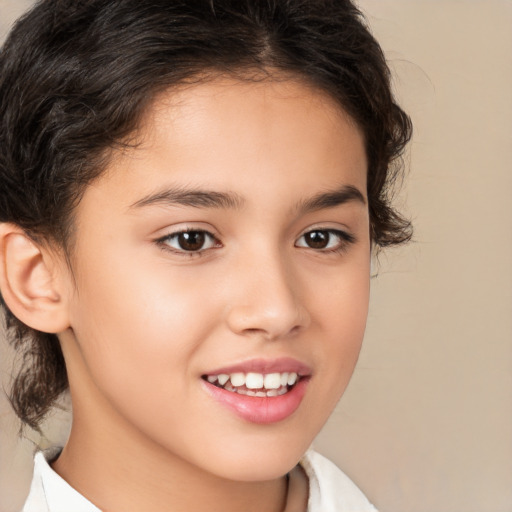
[262, 410]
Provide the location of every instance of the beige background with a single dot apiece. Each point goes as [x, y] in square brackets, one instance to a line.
[426, 425]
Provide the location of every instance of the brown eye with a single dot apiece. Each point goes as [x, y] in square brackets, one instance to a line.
[317, 239]
[325, 240]
[190, 241]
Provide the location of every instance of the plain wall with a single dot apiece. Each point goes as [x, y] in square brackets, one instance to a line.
[426, 424]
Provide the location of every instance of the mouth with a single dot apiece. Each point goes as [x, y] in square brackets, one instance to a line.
[260, 391]
[254, 384]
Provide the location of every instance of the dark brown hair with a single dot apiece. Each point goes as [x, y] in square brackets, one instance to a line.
[77, 75]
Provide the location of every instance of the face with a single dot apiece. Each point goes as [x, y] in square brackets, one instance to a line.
[221, 277]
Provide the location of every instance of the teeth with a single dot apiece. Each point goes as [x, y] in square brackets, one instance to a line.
[260, 394]
[237, 379]
[253, 381]
[272, 381]
[223, 378]
[275, 382]
[229, 387]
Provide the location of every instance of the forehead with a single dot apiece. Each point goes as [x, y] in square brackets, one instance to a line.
[226, 132]
[238, 104]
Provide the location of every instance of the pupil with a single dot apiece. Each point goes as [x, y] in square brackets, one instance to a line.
[317, 239]
[191, 240]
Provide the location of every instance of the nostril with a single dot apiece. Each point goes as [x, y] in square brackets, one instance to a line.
[296, 329]
[253, 331]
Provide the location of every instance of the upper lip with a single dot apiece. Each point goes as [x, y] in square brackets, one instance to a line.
[264, 366]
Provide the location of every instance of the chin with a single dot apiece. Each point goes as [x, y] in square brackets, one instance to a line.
[250, 471]
[259, 459]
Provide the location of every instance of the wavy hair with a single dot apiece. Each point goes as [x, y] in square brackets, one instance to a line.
[76, 77]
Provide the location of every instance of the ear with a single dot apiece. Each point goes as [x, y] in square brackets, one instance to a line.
[31, 281]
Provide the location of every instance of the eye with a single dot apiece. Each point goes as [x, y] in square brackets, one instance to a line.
[325, 240]
[190, 241]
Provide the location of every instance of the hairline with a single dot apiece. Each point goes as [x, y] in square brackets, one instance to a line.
[249, 74]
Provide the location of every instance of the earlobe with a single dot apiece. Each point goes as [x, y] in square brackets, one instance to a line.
[28, 281]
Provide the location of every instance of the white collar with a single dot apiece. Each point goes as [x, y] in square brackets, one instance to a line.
[56, 492]
[330, 490]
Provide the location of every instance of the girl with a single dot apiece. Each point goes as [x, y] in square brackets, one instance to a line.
[191, 192]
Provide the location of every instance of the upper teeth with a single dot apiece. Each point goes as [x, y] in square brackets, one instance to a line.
[255, 380]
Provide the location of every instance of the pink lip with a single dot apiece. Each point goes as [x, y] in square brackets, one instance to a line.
[281, 365]
[261, 410]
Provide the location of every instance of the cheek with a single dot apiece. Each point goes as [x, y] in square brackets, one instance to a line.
[341, 312]
[338, 305]
[137, 338]
[137, 320]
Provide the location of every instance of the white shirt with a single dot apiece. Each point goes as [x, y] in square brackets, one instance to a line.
[330, 490]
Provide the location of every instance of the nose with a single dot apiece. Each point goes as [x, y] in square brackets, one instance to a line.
[268, 300]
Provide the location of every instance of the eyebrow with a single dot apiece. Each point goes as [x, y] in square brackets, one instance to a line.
[191, 197]
[198, 198]
[331, 199]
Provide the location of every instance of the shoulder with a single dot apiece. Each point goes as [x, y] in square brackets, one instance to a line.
[330, 490]
[50, 493]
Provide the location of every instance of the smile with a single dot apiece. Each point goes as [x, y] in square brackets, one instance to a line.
[255, 384]
[259, 391]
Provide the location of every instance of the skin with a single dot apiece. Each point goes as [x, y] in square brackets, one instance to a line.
[145, 320]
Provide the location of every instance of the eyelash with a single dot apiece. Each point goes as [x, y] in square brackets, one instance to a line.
[344, 240]
[163, 242]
